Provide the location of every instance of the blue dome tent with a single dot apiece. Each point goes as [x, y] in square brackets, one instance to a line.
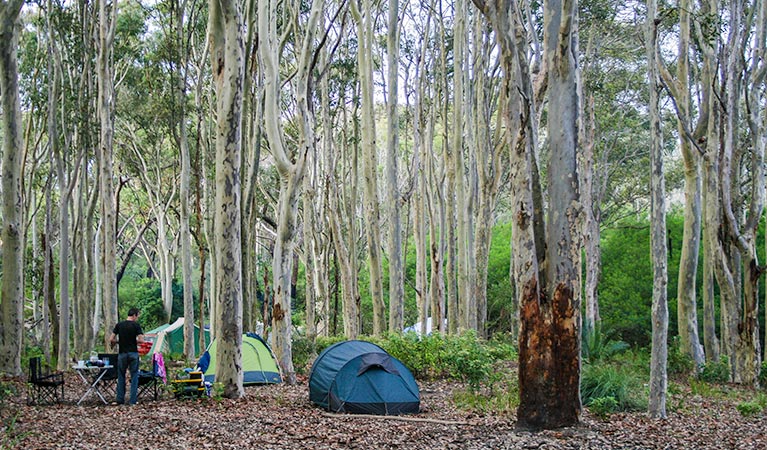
[360, 377]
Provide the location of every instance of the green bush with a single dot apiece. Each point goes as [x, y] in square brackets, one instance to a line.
[603, 406]
[501, 398]
[303, 349]
[7, 390]
[749, 409]
[607, 380]
[599, 345]
[715, 371]
[502, 346]
[679, 362]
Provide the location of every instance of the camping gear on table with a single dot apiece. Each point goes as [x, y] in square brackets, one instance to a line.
[259, 366]
[361, 377]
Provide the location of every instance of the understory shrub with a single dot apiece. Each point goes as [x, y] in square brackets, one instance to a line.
[603, 406]
[715, 371]
[599, 345]
[599, 381]
[501, 395]
[753, 407]
[749, 409]
[679, 362]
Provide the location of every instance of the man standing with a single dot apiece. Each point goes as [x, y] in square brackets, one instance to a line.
[128, 334]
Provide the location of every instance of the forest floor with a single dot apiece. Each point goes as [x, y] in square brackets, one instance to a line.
[281, 417]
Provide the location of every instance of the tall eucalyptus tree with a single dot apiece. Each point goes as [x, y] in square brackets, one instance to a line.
[291, 172]
[364, 16]
[106, 107]
[546, 276]
[12, 300]
[679, 88]
[225, 29]
[659, 251]
[396, 273]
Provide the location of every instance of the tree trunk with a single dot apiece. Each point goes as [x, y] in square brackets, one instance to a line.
[364, 19]
[591, 232]
[225, 27]
[11, 323]
[396, 272]
[291, 173]
[489, 150]
[420, 187]
[182, 141]
[546, 276]
[106, 99]
[710, 210]
[456, 182]
[659, 356]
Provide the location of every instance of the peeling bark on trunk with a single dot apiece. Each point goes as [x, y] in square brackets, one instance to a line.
[544, 267]
[226, 40]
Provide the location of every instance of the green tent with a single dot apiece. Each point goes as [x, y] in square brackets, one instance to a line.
[169, 338]
[259, 365]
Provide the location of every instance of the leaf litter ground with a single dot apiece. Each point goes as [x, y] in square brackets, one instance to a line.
[281, 417]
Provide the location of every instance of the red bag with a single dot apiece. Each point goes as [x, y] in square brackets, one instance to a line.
[144, 347]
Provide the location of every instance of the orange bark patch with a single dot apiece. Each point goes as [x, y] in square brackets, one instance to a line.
[277, 312]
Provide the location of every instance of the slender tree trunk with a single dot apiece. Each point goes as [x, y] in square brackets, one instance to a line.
[456, 181]
[489, 150]
[11, 326]
[658, 375]
[291, 173]
[106, 99]
[420, 186]
[709, 130]
[364, 18]
[396, 273]
[225, 29]
[185, 235]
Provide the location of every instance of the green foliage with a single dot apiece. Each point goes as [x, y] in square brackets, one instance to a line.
[750, 408]
[679, 362]
[502, 346]
[501, 397]
[715, 371]
[303, 349]
[625, 290]
[7, 390]
[609, 380]
[424, 357]
[598, 345]
[217, 391]
[703, 388]
[763, 375]
[602, 407]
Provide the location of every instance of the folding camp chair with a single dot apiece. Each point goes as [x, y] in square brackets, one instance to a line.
[44, 387]
[109, 380]
[147, 381]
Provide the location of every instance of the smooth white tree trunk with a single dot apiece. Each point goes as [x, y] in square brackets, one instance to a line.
[659, 251]
[11, 327]
[225, 28]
